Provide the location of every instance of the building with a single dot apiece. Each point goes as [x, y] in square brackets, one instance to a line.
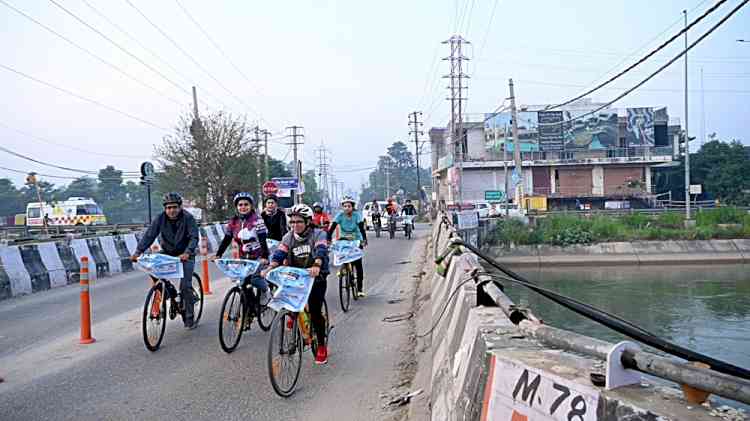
[575, 156]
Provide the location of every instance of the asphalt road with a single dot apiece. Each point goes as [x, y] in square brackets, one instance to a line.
[48, 375]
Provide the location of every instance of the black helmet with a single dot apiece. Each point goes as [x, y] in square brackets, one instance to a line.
[271, 197]
[171, 197]
[243, 196]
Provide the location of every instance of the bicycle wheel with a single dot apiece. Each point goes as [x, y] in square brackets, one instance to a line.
[232, 320]
[408, 232]
[352, 284]
[265, 313]
[345, 291]
[314, 343]
[197, 298]
[154, 317]
[285, 354]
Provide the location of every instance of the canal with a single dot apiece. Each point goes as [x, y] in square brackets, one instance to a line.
[704, 308]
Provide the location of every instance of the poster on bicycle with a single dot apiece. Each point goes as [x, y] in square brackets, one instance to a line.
[294, 286]
[346, 251]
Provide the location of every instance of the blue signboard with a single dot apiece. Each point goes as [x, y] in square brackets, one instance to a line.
[288, 183]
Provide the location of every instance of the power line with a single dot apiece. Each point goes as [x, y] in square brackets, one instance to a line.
[46, 164]
[90, 53]
[121, 48]
[41, 139]
[659, 70]
[65, 177]
[570, 85]
[83, 98]
[196, 62]
[643, 59]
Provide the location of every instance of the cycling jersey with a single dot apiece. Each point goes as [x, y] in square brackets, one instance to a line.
[321, 220]
[301, 252]
[252, 241]
[351, 226]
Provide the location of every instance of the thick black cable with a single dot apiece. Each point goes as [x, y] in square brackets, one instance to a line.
[445, 307]
[644, 58]
[617, 324]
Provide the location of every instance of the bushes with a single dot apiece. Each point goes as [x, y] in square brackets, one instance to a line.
[670, 220]
[720, 216]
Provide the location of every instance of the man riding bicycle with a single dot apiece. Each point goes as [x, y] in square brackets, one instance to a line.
[178, 237]
[352, 227]
[320, 218]
[274, 219]
[249, 232]
[306, 247]
[408, 209]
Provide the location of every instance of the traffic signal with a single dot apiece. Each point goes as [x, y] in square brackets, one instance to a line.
[684, 143]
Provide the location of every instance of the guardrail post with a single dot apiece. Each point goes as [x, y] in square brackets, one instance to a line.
[205, 278]
[85, 303]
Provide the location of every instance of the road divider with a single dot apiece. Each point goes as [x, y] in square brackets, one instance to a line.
[86, 337]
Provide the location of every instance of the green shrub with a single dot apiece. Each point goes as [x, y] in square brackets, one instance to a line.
[575, 234]
[704, 233]
[512, 231]
[728, 215]
[636, 220]
[670, 220]
[607, 229]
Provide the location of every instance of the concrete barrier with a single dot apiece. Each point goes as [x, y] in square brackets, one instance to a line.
[5, 291]
[18, 276]
[743, 246]
[110, 253]
[80, 249]
[35, 268]
[212, 242]
[123, 253]
[70, 261]
[54, 265]
[102, 264]
[132, 242]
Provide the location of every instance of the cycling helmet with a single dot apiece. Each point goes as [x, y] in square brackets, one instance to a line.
[317, 205]
[348, 199]
[172, 197]
[301, 210]
[243, 196]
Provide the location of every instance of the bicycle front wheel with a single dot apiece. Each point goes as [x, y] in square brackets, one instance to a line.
[353, 284]
[232, 320]
[345, 291]
[197, 298]
[265, 313]
[285, 354]
[154, 320]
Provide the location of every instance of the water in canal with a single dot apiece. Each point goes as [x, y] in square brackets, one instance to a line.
[704, 308]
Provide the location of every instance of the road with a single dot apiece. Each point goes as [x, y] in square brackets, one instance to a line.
[48, 375]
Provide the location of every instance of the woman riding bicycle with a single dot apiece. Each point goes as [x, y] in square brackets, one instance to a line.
[249, 232]
[320, 218]
[306, 247]
[352, 227]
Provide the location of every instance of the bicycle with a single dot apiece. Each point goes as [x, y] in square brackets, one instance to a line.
[291, 333]
[376, 225]
[235, 311]
[161, 268]
[392, 220]
[344, 253]
[408, 226]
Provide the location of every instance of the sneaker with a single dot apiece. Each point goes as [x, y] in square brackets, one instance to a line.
[289, 323]
[190, 325]
[361, 294]
[321, 357]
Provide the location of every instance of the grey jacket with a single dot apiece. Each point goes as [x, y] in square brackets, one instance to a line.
[176, 237]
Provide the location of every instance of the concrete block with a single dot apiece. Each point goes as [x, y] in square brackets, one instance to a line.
[70, 262]
[18, 277]
[109, 249]
[123, 253]
[102, 264]
[54, 265]
[132, 242]
[5, 291]
[661, 252]
[743, 245]
[35, 268]
[80, 249]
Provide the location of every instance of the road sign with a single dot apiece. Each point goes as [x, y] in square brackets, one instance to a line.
[147, 171]
[286, 182]
[270, 188]
[494, 195]
[468, 220]
[696, 189]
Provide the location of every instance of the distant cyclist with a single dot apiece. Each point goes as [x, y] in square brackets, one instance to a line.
[408, 209]
[306, 247]
[274, 218]
[248, 230]
[391, 208]
[320, 218]
[352, 227]
[178, 236]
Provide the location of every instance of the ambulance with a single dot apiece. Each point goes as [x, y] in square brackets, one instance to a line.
[71, 212]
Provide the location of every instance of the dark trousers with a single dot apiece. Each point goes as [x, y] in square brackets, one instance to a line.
[360, 273]
[315, 304]
[186, 292]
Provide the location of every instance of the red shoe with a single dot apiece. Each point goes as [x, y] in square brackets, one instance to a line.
[289, 323]
[321, 357]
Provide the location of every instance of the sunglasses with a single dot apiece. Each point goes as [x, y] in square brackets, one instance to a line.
[296, 221]
[171, 207]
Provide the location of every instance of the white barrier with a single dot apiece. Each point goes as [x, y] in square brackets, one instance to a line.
[81, 248]
[110, 251]
[20, 281]
[131, 242]
[212, 238]
[51, 260]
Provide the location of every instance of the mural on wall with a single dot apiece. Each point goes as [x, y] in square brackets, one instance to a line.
[640, 128]
[592, 132]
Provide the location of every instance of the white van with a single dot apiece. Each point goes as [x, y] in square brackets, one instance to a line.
[367, 211]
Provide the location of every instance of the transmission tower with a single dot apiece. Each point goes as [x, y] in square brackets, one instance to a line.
[295, 143]
[456, 87]
[414, 129]
[323, 172]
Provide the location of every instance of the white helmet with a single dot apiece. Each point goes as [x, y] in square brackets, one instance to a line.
[302, 210]
[348, 199]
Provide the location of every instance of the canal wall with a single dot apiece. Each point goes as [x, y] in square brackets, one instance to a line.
[632, 253]
[478, 364]
[32, 268]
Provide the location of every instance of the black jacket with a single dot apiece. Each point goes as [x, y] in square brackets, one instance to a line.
[175, 236]
[275, 224]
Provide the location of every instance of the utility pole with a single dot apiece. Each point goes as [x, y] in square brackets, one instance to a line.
[266, 175]
[516, 143]
[323, 167]
[457, 98]
[687, 134]
[256, 160]
[387, 179]
[414, 125]
[297, 165]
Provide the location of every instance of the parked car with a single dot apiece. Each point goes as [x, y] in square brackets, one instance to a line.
[498, 210]
[483, 209]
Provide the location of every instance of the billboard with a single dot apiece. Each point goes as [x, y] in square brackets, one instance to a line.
[550, 130]
[498, 129]
[640, 128]
[592, 132]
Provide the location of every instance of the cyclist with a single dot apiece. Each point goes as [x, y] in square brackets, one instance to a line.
[320, 218]
[306, 247]
[352, 227]
[249, 232]
[178, 236]
[408, 209]
[274, 219]
[392, 207]
[375, 213]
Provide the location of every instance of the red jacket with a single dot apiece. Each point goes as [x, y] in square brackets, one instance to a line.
[321, 220]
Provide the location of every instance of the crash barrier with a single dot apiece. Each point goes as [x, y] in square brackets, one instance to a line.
[30, 268]
[494, 360]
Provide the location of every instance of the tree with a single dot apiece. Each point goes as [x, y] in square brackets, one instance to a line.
[312, 193]
[47, 192]
[399, 162]
[11, 200]
[110, 184]
[208, 162]
[80, 187]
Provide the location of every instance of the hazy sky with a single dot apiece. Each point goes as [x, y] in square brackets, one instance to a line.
[348, 71]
